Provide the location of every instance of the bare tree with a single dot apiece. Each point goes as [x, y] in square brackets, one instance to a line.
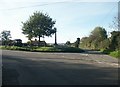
[115, 24]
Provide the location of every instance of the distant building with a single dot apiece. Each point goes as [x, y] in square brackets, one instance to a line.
[17, 42]
[42, 43]
[37, 43]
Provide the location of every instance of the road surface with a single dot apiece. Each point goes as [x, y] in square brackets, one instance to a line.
[35, 68]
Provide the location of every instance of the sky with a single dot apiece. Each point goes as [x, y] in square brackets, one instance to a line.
[74, 18]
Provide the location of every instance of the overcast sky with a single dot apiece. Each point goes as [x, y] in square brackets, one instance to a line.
[74, 18]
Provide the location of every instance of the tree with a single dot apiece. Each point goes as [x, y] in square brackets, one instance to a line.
[115, 35]
[5, 36]
[115, 24]
[115, 40]
[98, 35]
[96, 40]
[68, 43]
[84, 42]
[77, 42]
[38, 25]
[105, 44]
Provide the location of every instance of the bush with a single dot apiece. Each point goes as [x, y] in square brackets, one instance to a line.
[106, 51]
[111, 53]
[115, 54]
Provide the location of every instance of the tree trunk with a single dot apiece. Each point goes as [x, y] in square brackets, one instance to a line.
[39, 38]
[30, 44]
[55, 38]
[39, 41]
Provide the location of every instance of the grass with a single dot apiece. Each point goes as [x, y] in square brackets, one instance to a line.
[50, 49]
[115, 54]
[106, 51]
[44, 49]
[14, 48]
[58, 49]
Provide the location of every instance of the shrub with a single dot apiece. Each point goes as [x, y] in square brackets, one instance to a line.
[106, 51]
[115, 54]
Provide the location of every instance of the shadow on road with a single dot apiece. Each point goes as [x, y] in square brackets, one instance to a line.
[87, 51]
[50, 72]
[9, 76]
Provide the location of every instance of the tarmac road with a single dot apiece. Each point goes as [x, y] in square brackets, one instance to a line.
[35, 68]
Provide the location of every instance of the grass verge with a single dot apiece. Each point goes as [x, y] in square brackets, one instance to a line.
[44, 49]
[115, 54]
